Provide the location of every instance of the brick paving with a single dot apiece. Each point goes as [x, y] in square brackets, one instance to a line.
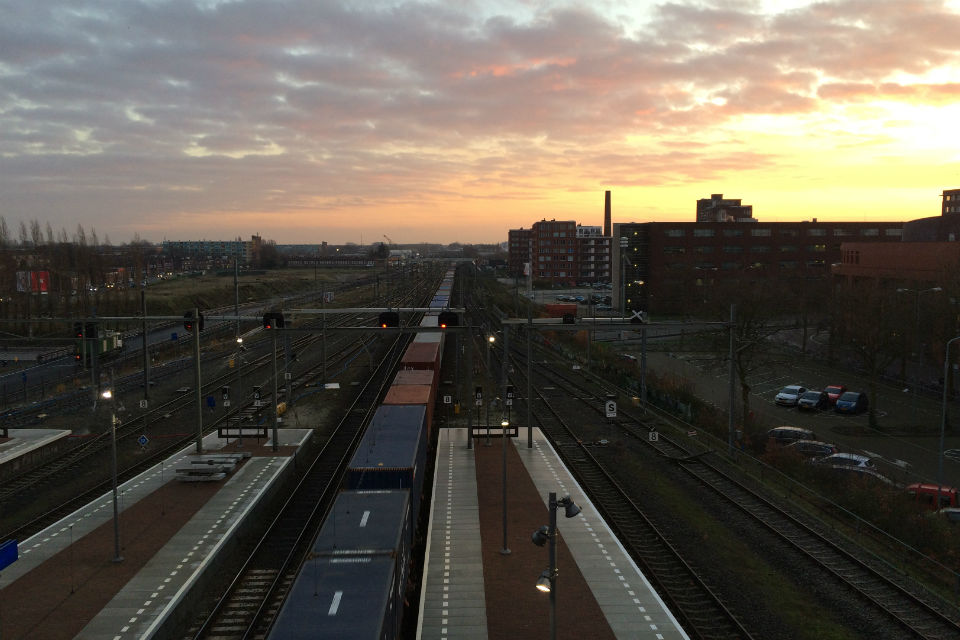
[57, 599]
[515, 608]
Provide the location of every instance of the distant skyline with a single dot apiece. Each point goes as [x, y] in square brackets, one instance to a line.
[307, 121]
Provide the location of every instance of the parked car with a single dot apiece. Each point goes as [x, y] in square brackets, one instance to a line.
[813, 448]
[851, 402]
[813, 400]
[848, 460]
[834, 391]
[786, 435]
[926, 494]
[789, 395]
[950, 514]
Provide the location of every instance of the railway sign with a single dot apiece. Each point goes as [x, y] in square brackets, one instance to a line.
[142, 440]
[143, 404]
[226, 403]
[211, 402]
[447, 399]
[653, 436]
[611, 408]
[509, 401]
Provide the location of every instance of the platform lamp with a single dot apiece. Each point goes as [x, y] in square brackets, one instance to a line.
[107, 394]
[548, 533]
[504, 423]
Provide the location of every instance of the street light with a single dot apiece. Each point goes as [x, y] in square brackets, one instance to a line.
[943, 416]
[504, 423]
[917, 337]
[490, 340]
[107, 394]
[239, 363]
[548, 579]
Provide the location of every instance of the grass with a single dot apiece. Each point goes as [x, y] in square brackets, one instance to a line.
[775, 594]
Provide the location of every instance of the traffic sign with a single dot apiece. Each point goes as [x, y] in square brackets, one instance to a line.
[611, 409]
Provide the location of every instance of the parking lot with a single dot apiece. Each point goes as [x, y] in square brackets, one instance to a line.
[907, 437]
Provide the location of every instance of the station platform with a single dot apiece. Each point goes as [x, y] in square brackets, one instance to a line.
[73, 580]
[23, 447]
[472, 589]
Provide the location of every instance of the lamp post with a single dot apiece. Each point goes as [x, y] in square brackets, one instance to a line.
[107, 394]
[916, 382]
[239, 363]
[504, 423]
[490, 340]
[943, 416]
[623, 276]
[548, 579]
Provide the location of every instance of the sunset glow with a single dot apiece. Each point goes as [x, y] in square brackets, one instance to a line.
[309, 121]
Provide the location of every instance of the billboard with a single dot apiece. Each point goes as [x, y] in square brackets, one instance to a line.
[33, 281]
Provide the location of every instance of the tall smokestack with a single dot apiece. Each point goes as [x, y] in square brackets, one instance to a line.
[607, 228]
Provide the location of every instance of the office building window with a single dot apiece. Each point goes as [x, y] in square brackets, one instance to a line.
[703, 233]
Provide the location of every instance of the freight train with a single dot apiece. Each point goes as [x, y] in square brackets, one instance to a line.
[353, 583]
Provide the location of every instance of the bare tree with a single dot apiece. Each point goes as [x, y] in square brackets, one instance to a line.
[36, 233]
[869, 326]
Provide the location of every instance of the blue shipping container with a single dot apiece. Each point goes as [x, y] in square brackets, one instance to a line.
[348, 598]
[392, 453]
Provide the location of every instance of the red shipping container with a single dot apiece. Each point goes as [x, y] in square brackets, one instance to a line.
[414, 376]
[422, 355]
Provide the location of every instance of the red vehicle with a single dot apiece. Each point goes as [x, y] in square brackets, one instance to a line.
[834, 391]
[926, 495]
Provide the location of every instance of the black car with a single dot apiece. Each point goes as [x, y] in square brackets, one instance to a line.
[813, 400]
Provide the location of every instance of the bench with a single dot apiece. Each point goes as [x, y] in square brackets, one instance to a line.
[202, 472]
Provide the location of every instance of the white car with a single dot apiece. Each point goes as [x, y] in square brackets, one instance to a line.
[789, 395]
[848, 460]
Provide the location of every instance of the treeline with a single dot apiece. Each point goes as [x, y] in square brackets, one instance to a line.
[44, 273]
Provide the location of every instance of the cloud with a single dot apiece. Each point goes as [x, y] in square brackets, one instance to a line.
[160, 108]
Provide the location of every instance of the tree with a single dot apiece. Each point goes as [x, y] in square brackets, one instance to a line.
[869, 327]
[756, 320]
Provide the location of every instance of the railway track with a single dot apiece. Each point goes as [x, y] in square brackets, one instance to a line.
[91, 454]
[254, 597]
[250, 604]
[898, 599]
[700, 610]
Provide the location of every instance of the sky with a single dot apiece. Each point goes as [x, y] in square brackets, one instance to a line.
[307, 121]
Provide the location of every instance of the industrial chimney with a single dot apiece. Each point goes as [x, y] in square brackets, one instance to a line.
[607, 228]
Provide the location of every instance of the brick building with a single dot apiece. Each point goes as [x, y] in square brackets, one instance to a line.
[928, 254]
[660, 265]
